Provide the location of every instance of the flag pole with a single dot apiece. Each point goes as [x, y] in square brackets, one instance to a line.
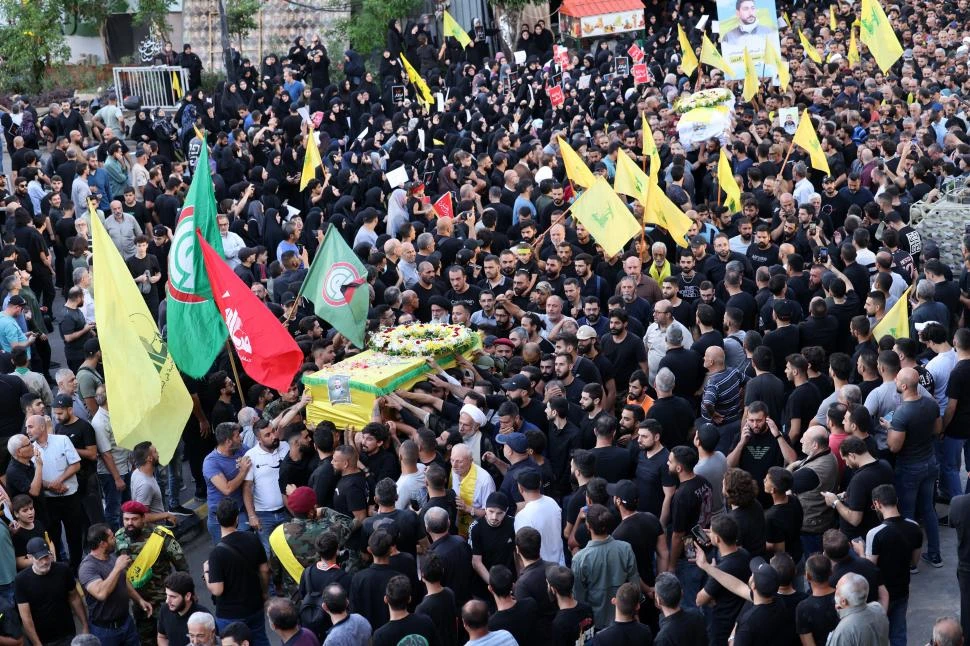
[235, 374]
[781, 171]
[559, 218]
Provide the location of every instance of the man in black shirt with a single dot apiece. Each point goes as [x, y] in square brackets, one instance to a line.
[836, 546]
[625, 629]
[352, 493]
[532, 582]
[180, 604]
[439, 602]
[518, 616]
[817, 615]
[406, 525]
[678, 627]
[690, 505]
[492, 541]
[368, 586]
[47, 595]
[403, 627]
[455, 553]
[377, 460]
[574, 621]
[653, 480]
[854, 506]
[643, 532]
[732, 559]
[81, 434]
[894, 546]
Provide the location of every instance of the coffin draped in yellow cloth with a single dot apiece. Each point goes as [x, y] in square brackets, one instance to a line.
[345, 392]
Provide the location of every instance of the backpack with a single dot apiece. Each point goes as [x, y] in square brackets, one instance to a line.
[312, 616]
[28, 129]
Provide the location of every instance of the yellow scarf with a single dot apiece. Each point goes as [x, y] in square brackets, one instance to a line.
[277, 542]
[140, 571]
[466, 491]
[658, 275]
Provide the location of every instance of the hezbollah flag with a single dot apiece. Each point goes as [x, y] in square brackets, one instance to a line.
[725, 179]
[337, 286]
[688, 59]
[630, 180]
[750, 78]
[773, 58]
[659, 208]
[806, 138]
[311, 160]
[606, 217]
[810, 50]
[877, 34]
[853, 53]
[149, 401]
[424, 92]
[896, 321]
[710, 56]
[649, 144]
[176, 86]
[453, 29]
[196, 332]
[576, 169]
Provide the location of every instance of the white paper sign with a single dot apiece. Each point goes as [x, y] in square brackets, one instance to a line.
[397, 176]
[519, 57]
[715, 26]
[702, 22]
[363, 133]
[583, 83]
[305, 113]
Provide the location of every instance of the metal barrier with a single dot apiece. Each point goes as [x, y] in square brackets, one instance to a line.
[160, 86]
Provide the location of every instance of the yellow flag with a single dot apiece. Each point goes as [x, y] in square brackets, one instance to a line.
[630, 180]
[660, 209]
[878, 35]
[606, 217]
[176, 86]
[688, 59]
[784, 15]
[896, 321]
[809, 48]
[853, 53]
[725, 179]
[773, 58]
[148, 399]
[424, 92]
[710, 56]
[750, 77]
[833, 23]
[806, 138]
[311, 160]
[452, 28]
[910, 99]
[649, 144]
[576, 168]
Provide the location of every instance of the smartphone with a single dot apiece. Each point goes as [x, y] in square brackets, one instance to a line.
[823, 255]
[700, 538]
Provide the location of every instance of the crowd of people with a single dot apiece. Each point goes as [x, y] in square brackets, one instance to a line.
[695, 441]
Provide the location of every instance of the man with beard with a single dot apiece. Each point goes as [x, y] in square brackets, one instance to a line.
[740, 243]
[155, 553]
[492, 541]
[637, 307]
[47, 595]
[625, 351]
[716, 265]
[764, 252]
[688, 280]
[425, 288]
[261, 489]
[180, 604]
[589, 283]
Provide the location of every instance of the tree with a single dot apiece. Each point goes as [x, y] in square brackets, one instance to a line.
[153, 14]
[32, 40]
[509, 19]
[367, 26]
[241, 15]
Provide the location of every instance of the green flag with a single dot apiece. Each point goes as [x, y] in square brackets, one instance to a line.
[196, 331]
[337, 286]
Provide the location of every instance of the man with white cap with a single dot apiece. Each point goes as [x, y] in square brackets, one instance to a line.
[472, 485]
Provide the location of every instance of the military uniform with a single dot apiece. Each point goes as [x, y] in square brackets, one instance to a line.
[301, 536]
[153, 590]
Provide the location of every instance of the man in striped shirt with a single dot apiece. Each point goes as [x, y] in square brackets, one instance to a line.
[721, 404]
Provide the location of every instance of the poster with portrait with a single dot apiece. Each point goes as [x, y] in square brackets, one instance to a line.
[748, 23]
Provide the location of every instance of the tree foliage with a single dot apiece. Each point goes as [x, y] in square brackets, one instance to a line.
[242, 16]
[366, 28]
[32, 40]
[152, 14]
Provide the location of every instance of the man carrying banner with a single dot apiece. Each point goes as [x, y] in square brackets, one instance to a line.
[155, 554]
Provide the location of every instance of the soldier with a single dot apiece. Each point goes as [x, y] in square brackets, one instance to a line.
[155, 554]
[293, 544]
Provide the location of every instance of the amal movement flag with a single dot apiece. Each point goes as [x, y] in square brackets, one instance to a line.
[196, 332]
[266, 351]
[148, 398]
[337, 287]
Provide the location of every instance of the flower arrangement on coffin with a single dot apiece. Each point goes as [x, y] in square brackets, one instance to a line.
[709, 98]
[423, 340]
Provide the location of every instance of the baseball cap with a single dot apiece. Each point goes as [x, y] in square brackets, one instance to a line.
[586, 332]
[38, 548]
[765, 577]
[92, 347]
[302, 500]
[515, 441]
[159, 230]
[63, 401]
[497, 499]
[517, 382]
[17, 300]
[625, 490]
[530, 479]
[698, 241]
[484, 361]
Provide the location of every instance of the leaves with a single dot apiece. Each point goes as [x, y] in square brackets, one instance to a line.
[31, 40]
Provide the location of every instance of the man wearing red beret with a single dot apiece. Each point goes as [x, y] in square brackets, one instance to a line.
[155, 554]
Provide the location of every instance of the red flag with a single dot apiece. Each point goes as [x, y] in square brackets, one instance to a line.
[443, 206]
[267, 352]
